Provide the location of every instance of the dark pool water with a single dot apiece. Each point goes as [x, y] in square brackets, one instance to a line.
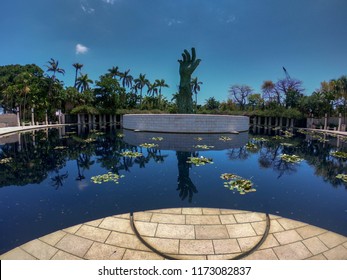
[46, 183]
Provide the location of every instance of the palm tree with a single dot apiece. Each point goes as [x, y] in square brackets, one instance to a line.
[152, 89]
[53, 67]
[140, 82]
[83, 82]
[161, 83]
[195, 84]
[127, 80]
[77, 66]
[114, 71]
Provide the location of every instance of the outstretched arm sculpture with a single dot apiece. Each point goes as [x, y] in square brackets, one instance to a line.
[187, 66]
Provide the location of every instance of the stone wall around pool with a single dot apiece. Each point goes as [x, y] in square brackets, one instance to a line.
[186, 123]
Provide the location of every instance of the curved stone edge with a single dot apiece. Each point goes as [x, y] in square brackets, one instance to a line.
[186, 123]
[112, 237]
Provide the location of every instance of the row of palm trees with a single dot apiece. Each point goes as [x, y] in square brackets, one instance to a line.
[135, 86]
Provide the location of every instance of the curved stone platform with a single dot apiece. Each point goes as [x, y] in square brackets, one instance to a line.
[186, 123]
[186, 233]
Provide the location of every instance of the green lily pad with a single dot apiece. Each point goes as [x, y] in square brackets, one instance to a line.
[89, 140]
[148, 145]
[251, 146]
[104, 178]
[60, 147]
[261, 139]
[290, 158]
[5, 160]
[343, 177]
[157, 138]
[131, 154]
[277, 137]
[198, 139]
[288, 134]
[197, 161]
[339, 154]
[287, 144]
[225, 138]
[237, 183]
[120, 135]
[205, 147]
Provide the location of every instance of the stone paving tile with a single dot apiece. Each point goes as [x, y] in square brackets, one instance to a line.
[310, 231]
[93, 233]
[140, 255]
[202, 220]
[168, 211]
[337, 253]
[287, 237]
[192, 211]
[259, 227]
[94, 223]
[240, 230]
[72, 229]
[345, 244]
[122, 216]
[146, 228]
[142, 216]
[39, 249]
[227, 219]
[294, 251]
[100, 251]
[249, 217]
[75, 245]
[248, 243]
[167, 246]
[175, 231]
[211, 232]
[315, 245]
[290, 224]
[17, 254]
[332, 239]
[53, 238]
[116, 224]
[197, 247]
[61, 255]
[125, 240]
[226, 246]
[210, 211]
[168, 218]
[266, 254]
[274, 217]
[221, 257]
[269, 242]
[189, 257]
[231, 211]
[317, 257]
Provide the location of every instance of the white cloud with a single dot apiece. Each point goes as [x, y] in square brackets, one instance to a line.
[80, 49]
[109, 1]
[86, 7]
[173, 21]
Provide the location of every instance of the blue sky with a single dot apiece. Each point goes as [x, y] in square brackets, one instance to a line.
[239, 41]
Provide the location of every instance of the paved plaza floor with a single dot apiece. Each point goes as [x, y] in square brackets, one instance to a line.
[186, 233]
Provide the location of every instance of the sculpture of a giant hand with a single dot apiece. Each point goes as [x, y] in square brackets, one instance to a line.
[188, 64]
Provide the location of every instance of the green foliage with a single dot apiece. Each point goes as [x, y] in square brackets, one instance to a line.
[251, 146]
[85, 109]
[108, 177]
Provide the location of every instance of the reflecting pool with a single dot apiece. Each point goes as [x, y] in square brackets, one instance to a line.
[53, 179]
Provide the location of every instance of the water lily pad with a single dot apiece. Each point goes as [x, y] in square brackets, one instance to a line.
[287, 144]
[148, 145]
[290, 158]
[198, 138]
[131, 154]
[197, 161]
[225, 138]
[60, 147]
[251, 146]
[277, 137]
[120, 135]
[5, 160]
[104, 178]
[288, 134]
[339, 154]
[261, 139]
[237, 183]
[157, 138]
[205, 147]
[89, 140]
[343, 177]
